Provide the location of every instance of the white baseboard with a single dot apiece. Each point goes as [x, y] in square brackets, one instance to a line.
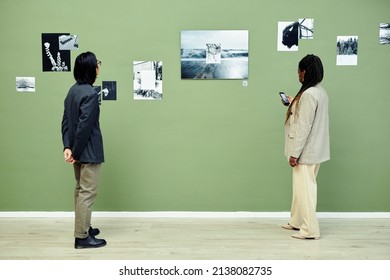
[184, 214]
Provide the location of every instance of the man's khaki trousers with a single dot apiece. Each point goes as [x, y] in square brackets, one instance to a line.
[87, 178]
[304, 200]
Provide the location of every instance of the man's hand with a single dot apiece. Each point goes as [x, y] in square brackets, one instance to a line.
[68, 156]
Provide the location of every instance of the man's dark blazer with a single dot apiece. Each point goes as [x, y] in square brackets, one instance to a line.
[80, 124]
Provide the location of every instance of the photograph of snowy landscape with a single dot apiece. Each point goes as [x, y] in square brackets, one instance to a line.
[25, 84]
[347, 50]
[214, 54]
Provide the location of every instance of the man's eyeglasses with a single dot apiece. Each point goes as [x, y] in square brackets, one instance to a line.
[99, 63]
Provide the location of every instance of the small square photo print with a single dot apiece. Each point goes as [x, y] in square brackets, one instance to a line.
[68, 42]
[306, 28]
[25, 84]
[288, 35]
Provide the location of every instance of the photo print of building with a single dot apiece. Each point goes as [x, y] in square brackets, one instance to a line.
[214, 54]
[147, 80]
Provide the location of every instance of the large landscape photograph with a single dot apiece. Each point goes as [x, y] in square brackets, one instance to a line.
[214, 54]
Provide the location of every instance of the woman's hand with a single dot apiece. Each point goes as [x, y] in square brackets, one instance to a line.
[293, 161]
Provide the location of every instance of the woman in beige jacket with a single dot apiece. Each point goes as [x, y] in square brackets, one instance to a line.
[307, 146]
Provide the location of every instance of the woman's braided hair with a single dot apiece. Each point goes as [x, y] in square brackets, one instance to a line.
[314, 73]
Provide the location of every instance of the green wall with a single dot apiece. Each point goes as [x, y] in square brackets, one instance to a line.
[209, 145]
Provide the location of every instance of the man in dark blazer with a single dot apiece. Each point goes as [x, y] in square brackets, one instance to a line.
[83, 146]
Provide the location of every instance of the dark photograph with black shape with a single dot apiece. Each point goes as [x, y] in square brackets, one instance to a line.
[109, 90]
[288, 36]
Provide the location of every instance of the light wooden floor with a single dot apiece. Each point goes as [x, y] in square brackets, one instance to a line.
[194, 239]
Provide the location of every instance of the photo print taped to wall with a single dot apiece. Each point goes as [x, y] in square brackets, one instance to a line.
[54, 59]
[147, 80]
[306, 28]
[25, 84]
[384, 33]
[109, 90]
[288, 35]
[68, 42]
[214, 54]
[347, 50]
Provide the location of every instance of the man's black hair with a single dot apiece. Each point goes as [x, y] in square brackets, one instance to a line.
[84, 70]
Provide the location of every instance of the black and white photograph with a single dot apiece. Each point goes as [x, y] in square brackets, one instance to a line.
[347, 50]
[54, 59]
[384, 33]
[68, 42]
[214, 54]
[306, 28]
[147, 80]
[109, 90]
[288, 36]
[25, 84]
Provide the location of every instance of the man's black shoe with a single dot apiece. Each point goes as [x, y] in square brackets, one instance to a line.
[89, 242]
[93, 231]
